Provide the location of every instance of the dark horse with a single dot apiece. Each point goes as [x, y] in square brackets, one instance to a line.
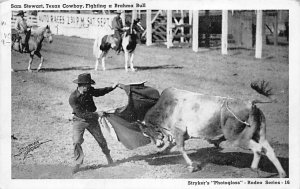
[34, 43]
[104, 43]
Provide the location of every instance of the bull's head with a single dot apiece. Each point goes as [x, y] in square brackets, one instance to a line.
[154, 133]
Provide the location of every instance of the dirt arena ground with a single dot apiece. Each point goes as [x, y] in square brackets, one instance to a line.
[40, 109]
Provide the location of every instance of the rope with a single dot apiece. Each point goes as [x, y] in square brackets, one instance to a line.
[244, 122]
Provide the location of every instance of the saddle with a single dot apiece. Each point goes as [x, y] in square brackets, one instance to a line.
[107, 41]
[119, 47]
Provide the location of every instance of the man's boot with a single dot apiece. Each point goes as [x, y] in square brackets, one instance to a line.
[75, 169]
[109, 159]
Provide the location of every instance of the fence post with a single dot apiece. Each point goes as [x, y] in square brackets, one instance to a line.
[195, 30]
[182, 28]
[134, 15]
[123, 17]
[224, 41]
[258, 42]
[276, 29]
[190, 23]
[169, 28]
[149, 28]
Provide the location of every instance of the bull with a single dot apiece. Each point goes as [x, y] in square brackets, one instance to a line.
[180, 115]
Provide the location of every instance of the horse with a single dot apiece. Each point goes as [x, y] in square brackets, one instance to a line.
[103, 44]
[35, 44]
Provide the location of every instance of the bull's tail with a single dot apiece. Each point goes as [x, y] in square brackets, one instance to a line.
[257, 122]
[263, 88]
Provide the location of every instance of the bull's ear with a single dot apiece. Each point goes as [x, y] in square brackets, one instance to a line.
[47, 27]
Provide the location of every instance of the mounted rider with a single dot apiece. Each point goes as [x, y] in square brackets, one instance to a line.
[118, 28]
[23, 30]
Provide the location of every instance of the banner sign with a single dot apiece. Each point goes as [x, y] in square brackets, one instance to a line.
[80, 25]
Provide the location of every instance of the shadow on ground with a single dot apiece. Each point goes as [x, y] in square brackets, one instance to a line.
[57, 69]
[216, 157]
[205, 156]
[142, 68]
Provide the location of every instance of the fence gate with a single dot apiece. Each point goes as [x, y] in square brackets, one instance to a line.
[159, 26]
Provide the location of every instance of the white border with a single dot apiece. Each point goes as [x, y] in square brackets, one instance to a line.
[294, 96]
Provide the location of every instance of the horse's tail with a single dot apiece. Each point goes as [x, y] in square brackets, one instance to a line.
[96, 47]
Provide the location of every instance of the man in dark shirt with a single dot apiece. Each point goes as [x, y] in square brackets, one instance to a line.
[86, 117]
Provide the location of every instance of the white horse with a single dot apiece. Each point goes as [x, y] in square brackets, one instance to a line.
[104, 43]
[34, 44]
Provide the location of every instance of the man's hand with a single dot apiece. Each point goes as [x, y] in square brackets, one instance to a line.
[115, 85]
[122, 86]
[101, 113]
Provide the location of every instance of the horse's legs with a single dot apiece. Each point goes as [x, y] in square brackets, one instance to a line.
[30, 62]
[131, 61]
[42, 60]
[126, 60]
[103, 63]
[103, 55]
[97, 63]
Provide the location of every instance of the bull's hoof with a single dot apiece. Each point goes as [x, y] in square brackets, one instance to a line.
[76, 169]
[256, 170]
[282, 175]
[194, 167]
[160, 143]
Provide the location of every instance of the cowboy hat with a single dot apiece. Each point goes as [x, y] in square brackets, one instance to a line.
[20, 13]
[84, 78]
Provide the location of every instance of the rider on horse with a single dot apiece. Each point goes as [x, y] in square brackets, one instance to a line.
[117, 26]
[23, 31]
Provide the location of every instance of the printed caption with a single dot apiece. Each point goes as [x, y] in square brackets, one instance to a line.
[78, 6]
[241, 182]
